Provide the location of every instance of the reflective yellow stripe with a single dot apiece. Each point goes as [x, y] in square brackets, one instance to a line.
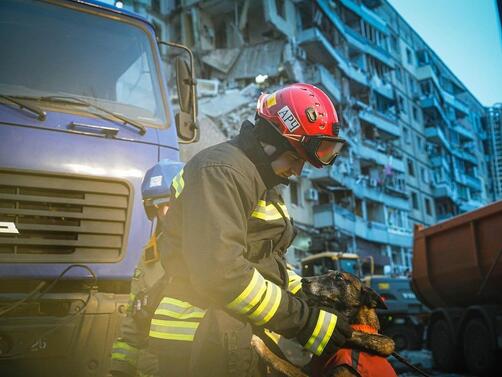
[124, 346]
[294, 282]
[269, 212]
[284, 209]
[272, 335]
[178, 183]
[173, 330]
[268, 306]
[250, 296]
[325, 325]
[124, 352]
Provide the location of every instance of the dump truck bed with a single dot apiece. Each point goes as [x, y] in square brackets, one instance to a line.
[452, 259]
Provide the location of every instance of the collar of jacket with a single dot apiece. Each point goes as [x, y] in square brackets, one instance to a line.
[250, 145]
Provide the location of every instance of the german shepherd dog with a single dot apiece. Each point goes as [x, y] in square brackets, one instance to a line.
[346, 294]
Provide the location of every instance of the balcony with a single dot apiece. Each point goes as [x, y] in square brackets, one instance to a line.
[440, 162]
[331, 215]
[367, 15]
[464, 154]
[362, 44]
[455, 102]
[355, 38]
[445, 190]
[460, 129]
[382, 87]
[320, 49]
[425, 72]
[380, 121]
[372, 4]
[373, 151]
[470, 205]
[320, 76]
[437, 135]
[470, 181]
[430, 101]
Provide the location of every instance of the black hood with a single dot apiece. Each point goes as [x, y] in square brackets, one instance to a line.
[250, 145]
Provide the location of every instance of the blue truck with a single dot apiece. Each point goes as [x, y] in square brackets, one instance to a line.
[84, 112]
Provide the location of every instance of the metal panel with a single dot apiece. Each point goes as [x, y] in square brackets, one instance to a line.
[62, 217]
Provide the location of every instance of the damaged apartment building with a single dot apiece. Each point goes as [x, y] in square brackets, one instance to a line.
[417, 148]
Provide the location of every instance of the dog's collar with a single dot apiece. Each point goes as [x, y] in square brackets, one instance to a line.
[365, 328]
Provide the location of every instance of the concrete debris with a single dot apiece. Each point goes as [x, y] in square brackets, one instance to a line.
[222, 59]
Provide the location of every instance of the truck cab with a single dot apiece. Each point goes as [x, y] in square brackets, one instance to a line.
[84, 112]
[321, 263]
[405, 318]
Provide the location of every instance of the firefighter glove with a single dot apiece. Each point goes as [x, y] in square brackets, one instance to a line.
[324, 331]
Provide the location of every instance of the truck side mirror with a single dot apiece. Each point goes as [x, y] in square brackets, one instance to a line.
[186, 119]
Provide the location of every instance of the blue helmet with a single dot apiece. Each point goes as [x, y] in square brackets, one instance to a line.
[156, 186]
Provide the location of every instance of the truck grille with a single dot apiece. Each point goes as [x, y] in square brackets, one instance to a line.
[62, 218]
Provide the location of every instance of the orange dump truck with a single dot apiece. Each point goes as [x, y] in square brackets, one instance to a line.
[457, 272]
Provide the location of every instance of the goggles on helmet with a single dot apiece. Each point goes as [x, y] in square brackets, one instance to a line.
[323, 149]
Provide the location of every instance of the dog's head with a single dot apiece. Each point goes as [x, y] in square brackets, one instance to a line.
[341, 291]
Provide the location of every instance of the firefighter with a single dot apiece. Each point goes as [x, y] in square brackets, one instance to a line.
[227, 232]
[130, 356]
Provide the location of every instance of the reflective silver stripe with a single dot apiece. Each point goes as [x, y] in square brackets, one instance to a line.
[173, 330]
[250, 296]
[179, 309]
[268, 306]
[325, 325]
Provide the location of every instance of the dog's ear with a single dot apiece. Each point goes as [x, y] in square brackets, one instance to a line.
[371, 299]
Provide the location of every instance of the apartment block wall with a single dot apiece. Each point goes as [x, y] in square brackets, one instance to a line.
[419, 143]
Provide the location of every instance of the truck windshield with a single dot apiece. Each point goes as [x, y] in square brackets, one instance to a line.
[350, 265]
[51, 50]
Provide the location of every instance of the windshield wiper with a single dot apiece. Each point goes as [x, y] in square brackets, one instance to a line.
[41, 115]
[78, 101]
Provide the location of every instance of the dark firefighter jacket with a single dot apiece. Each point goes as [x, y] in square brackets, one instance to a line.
[228, 230]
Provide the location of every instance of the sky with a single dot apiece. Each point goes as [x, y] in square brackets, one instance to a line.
[466, 35]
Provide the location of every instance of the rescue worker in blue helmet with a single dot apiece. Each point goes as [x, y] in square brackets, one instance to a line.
[227, 232]
[130, 355]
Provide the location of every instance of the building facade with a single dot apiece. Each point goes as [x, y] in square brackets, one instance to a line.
[420, 145]
[493, 145]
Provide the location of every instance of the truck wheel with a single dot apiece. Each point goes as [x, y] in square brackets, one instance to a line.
[404, 337]
[445, 353]
[479, 354]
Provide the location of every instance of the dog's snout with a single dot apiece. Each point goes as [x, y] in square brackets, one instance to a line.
[305, 281]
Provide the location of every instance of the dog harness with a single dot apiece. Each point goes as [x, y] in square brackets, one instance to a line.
[363, 364]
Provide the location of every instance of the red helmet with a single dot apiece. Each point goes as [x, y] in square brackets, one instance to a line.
[304, 115]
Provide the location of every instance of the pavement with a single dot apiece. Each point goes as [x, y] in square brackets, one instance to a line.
[422, 359]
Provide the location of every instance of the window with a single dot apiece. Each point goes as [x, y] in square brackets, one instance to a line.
[406, 135]
[414, 200]
[409, 57]
[399, 74]
[394, 43]
[402, 105]
[419, 142]
[428, 208]
[425, 175]
[415, 113]
[411, 168]
[412, 84]
[293, 189]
